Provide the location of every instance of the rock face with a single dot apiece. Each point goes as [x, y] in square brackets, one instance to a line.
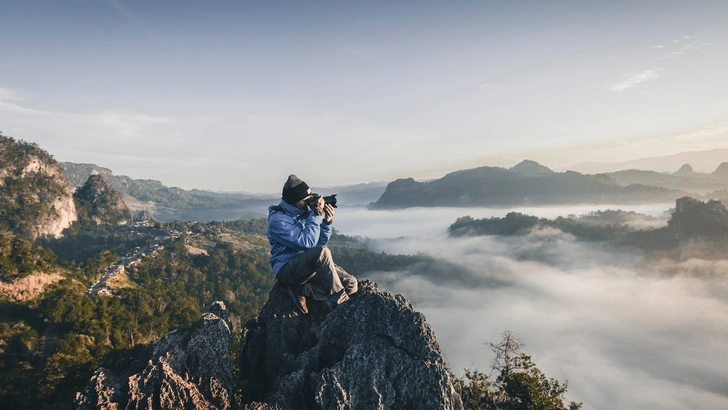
[186, 369]
[35, 197]
[373, 352]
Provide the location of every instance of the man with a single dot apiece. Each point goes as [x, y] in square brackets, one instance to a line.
[298, 233]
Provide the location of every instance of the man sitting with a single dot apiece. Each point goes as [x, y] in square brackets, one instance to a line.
[298, 231]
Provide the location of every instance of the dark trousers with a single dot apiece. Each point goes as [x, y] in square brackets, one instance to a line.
[314, 269]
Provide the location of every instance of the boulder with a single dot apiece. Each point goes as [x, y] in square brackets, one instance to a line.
[186, 369]
[372, 352]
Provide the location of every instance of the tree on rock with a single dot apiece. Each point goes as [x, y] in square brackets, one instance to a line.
[519, 384]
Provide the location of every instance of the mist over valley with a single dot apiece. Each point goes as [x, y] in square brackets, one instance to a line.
[627, 328]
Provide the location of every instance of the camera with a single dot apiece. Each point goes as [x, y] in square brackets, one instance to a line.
[331, 200]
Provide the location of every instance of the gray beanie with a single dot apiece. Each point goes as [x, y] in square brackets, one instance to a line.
[295, 190]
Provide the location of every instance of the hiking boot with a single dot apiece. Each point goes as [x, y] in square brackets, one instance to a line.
[299, 299]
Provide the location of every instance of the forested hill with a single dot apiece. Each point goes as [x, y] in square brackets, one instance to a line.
[691, 221]
[526, 183]
[98, 202]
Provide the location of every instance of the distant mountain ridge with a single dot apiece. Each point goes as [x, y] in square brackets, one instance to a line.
[684, 178]
[151, 190]
[527, 183]
[700, 160]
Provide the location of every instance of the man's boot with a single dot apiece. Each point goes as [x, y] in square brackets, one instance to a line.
[299, 298]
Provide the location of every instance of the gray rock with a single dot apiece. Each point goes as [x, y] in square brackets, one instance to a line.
[186, 369]
[373, 352]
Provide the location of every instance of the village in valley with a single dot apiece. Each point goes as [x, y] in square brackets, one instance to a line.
[134, 256]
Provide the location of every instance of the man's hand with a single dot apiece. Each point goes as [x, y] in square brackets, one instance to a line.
[319, 206]
[329, 211]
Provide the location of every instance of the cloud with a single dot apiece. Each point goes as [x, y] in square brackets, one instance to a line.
[127, 124]
[7, 94]
[627, 330]
[657, 46]
[116, 123]
[630, 80]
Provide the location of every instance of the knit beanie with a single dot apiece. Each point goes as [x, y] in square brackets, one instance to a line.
[295, 190]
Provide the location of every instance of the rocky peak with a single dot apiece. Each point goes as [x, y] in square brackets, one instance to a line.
[100, 202]
[685, 170]
[373, 352]
[531, 168]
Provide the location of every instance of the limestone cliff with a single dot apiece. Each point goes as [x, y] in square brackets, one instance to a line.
[373, 352]
[35, 197]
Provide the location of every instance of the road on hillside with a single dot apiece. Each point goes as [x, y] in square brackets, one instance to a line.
[47, 342]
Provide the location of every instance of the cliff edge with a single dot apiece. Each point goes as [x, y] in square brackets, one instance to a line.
[373, 352]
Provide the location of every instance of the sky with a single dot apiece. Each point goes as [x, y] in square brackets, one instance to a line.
[236, 95]
[628, 330]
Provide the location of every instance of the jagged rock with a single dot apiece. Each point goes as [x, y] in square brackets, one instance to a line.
[186, 369]
[373, 352]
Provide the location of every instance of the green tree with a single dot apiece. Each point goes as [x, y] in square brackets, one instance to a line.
[519, 384]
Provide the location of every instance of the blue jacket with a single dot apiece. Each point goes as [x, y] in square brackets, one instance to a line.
[292, 231]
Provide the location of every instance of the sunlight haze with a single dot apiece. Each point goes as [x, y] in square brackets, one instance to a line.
[236, 95]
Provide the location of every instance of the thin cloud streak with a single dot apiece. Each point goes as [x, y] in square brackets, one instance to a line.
[630, 80]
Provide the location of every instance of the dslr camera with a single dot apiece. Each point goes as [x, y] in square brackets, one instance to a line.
[331, 200]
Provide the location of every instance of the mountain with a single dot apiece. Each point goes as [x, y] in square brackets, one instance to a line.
[685, 170]
[100, 203]
[148, 190]
[375, 351]
[701, 160]
[171, 203]
[35, 197]
[531, 168]
[721, 172]
[529, 184]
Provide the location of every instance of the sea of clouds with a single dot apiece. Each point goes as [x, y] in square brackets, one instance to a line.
[627, 331]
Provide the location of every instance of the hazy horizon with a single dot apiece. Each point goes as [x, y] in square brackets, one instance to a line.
[237, 96]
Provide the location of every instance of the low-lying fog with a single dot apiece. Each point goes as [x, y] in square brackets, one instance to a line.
[627, 332]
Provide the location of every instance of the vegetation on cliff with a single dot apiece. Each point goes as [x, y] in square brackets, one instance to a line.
[35, 198]
[99, 203]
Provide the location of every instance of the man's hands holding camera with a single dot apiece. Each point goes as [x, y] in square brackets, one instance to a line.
[322, 208]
